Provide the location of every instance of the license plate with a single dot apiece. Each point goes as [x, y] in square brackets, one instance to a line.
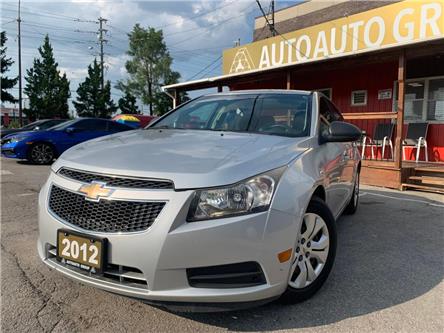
[82, 251]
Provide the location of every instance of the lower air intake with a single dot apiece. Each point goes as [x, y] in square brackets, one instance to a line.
[241, 275]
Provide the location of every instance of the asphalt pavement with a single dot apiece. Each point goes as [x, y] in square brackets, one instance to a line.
[388, 275]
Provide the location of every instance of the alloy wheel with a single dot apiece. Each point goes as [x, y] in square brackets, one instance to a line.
[42, 154]
[311, 251]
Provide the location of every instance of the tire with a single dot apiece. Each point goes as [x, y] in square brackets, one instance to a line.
[354, 200]
[300, 285]
[41, 153]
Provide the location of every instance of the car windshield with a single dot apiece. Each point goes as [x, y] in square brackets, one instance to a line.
[275, 114]
[32, 125]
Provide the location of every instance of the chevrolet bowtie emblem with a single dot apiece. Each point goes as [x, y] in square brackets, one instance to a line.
[95, 190]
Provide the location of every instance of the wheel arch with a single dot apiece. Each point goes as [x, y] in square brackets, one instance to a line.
[53, 146]
[320, 193]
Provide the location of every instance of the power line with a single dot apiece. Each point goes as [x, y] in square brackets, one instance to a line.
[52, 14]
[175, 23]
[277, 32]
[203, 69]
[219, 24]
[270, 25]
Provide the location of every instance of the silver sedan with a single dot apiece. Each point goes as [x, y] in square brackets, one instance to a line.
[229, 200]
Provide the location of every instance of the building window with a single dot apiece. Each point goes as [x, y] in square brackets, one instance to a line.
[424, 99]
[326, 91]
[359, 98]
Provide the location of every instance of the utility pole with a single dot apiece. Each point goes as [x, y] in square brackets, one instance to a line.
[19, 40]
[273, 31]
[102, 31]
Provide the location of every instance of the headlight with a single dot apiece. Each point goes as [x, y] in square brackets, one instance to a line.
[250, 196]
[13, 139]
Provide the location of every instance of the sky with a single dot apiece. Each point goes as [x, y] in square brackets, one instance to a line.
[196, 33]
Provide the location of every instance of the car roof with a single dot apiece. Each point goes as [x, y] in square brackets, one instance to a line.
[261, 91]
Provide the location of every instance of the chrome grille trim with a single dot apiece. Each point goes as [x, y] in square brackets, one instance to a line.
[103, 216]
[122, 276]
[116, 181]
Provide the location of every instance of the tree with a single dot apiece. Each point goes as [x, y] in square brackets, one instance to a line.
[91, 100]
[164, 103]
[6, 82]
[149, 67]
[48, 91]
[127, 104]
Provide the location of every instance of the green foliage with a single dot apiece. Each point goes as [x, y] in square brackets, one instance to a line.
[48, 91]
[149, 68]
[127, 104]
[163, 103]
[14, 123]
[91, 100]
[6, 82]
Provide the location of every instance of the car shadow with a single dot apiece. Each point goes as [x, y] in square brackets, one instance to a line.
[24, 162]
[388, 254]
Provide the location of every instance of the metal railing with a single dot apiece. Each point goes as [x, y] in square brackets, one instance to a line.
[378, 142]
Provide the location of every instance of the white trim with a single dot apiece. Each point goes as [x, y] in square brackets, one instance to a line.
[352, 102]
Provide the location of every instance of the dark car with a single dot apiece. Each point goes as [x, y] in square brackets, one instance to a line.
[39, 125]
[41, 147]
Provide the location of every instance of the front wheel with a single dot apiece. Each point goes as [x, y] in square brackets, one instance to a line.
[354, 200]
[314, 254]
[41, 153]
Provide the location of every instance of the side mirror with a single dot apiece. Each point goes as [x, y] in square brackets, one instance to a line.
[70, 130]
[340, 131]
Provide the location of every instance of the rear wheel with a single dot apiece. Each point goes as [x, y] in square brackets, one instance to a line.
[314, 253]
[41, 153]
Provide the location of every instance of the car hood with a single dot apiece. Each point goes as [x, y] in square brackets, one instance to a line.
[190, 158]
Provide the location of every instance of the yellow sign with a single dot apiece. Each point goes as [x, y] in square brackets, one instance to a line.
[397, 24]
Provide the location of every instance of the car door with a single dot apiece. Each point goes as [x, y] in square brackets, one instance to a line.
[333, 161]
[348, 173]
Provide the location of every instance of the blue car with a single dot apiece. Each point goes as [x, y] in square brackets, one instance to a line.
[43, 147]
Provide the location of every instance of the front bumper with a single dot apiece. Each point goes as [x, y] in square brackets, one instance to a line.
[13, 150]
[163, 253]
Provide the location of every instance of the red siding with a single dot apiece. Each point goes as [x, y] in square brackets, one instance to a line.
[370, 77]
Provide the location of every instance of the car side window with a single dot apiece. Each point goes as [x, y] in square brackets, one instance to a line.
[337, 116]
[283, 114]
[324, 110]
[91, 125]
[49, 124]
[325, 116]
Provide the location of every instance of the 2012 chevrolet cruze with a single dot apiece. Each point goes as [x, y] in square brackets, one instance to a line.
[227, 201]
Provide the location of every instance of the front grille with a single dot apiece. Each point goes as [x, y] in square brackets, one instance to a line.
[241, 275]
[104, 215]
[116, 181]
[8, 152]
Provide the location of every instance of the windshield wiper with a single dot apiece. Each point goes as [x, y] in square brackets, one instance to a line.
[160, 127]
